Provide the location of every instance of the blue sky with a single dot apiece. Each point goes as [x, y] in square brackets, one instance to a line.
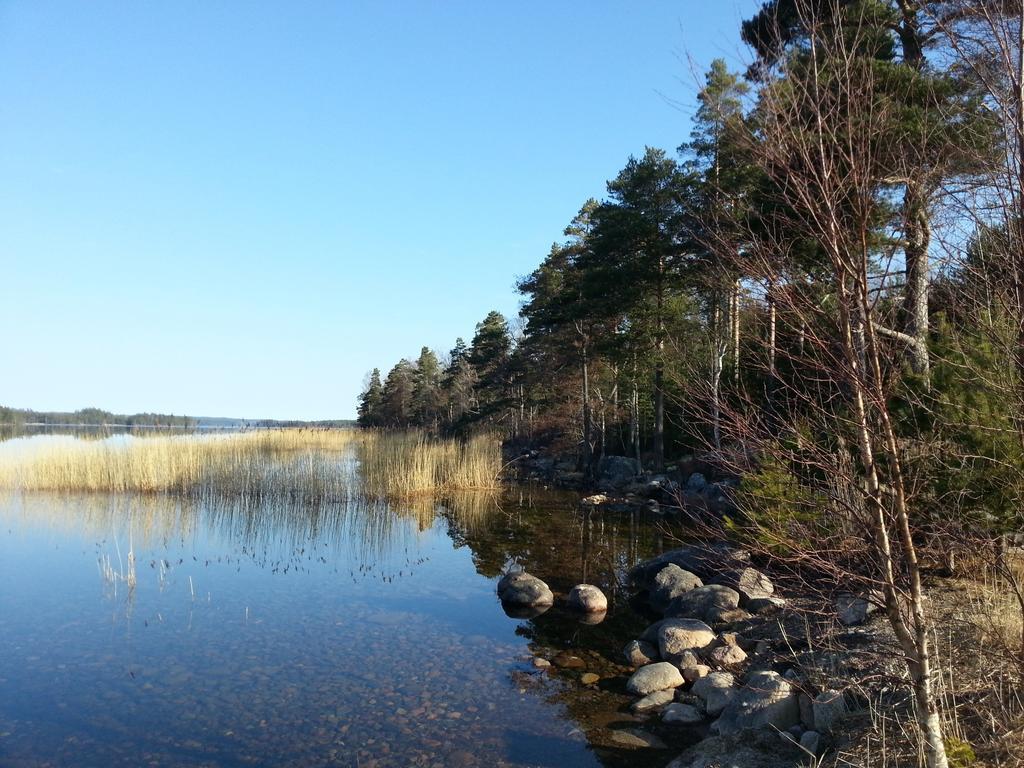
[239, 208]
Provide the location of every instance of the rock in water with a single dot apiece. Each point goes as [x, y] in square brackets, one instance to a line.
[653, 701]
[587, 598]
[654, 677]
[766, 699]
[634, 737]
[522, 589]
[640, 652]
[678, 635]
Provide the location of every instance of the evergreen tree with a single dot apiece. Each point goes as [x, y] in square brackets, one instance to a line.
[371, 402]
[397, 408]
[426, 396]
[488, 357]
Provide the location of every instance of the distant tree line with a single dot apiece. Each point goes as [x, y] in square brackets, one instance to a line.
[92, 417]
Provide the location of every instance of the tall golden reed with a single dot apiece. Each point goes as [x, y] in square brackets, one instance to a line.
[293, 463]
[409, 463]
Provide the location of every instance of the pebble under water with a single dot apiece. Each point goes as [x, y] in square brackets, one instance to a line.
[343, 634]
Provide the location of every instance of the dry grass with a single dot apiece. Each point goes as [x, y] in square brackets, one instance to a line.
[979, 681]
[407, 464]
[294, 464]
[256, 463]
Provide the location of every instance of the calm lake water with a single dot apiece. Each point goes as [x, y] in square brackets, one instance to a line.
[350, 634]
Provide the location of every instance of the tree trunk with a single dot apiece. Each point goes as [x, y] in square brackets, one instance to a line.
[866, 379]
[588, 427]
[634, 418]
[917, 233]
[736, 334]
[772, 320]
[718, 351]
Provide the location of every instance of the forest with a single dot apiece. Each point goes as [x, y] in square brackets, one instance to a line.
[821, 289]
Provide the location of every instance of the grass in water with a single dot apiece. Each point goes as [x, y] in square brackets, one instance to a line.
[294, 464]
[400, 465]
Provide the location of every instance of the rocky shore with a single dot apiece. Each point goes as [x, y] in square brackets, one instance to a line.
[724, 655]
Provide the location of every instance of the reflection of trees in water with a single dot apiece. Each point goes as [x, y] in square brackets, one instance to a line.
[565, 544]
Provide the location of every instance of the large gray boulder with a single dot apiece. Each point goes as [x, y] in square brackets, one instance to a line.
[767, 699]
[588, 599]
[702, 560]
[617, 470]
[716, 690]
[709, 603]
[654, 677]
[521, 589]
[669, 583]
[755, 749]
[853, 610]
[829, 707]
[750, 583]
[676, 636]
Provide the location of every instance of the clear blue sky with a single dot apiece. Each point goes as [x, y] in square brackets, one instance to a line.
[239, 208]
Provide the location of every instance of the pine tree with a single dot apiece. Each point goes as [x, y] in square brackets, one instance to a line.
[371, 402]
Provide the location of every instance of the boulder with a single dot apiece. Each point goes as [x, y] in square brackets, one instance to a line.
[678, 635]
[811, 741]
[593, 618]
[767, 699]
[588, 599]
[521, 589]
[635, 738]
[654, 677]
[765, 604]
[686, 659]
[683, 714]
[696, 672]
[716, 690]
[696, 483]
[617, 470]
[669, 583]
[727, 655]
[758, 749]
[853, 610]
[640, 652]
[750, 583]
[829, 707]
[594, 501]
[806, 711]
[653, 701]
[703, 560]
[711, 603]
[650, 635]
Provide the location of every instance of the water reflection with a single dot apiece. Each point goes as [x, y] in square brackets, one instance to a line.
[290, 631]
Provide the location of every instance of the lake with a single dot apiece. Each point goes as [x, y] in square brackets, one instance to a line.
[353, 632]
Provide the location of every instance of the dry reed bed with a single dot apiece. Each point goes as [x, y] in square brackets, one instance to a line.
[294, 464]
[400, 465]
